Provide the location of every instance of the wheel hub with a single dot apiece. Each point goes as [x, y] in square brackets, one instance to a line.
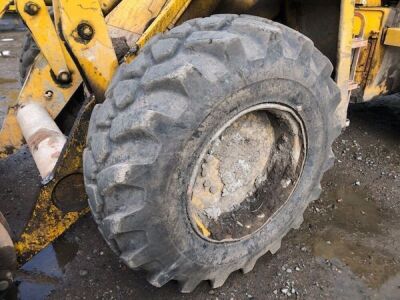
[246, 172]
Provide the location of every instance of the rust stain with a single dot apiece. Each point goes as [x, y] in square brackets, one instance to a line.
[40, 135]
[56, 154]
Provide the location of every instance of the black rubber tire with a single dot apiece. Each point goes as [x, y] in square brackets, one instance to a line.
[161, 110]
[27, 56]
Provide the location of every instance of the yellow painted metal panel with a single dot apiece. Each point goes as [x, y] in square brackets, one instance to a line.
[344, 56]
[168, 16]
[95, 52]
[4, 5]
[130, 18]
[53, 59]
[392, 37]
[371, 57]
[369, 2]
[44, 34]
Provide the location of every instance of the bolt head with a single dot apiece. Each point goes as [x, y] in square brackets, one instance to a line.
[64, 77]
[31, 8]
[85, 31]
[48, 94]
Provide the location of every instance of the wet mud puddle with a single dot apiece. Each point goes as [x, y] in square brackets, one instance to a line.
[354, 233]
[41, 275]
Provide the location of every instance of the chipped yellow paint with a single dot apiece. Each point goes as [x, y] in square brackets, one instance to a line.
[12, 8]
[371, 57]
[372, 90]
[130, 18]
[47, 221]
[392, 37]
[201, 226]
[52, 224]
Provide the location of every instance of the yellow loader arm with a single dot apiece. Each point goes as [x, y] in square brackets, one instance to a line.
[4, 4]
[80, 49]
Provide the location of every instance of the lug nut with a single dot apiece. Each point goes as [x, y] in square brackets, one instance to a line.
[31, 8]
[48, 94]
[85, 31]
[64, 77]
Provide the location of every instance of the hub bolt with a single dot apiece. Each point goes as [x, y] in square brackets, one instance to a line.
[85, 31]
[64, 77]
[31, 8]
[48, 94]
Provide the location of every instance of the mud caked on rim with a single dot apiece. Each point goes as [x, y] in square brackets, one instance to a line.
[246, 172]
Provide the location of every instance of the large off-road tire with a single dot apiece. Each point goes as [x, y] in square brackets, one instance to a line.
[162, 111]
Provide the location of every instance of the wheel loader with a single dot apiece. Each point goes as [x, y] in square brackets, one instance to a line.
[197, 131]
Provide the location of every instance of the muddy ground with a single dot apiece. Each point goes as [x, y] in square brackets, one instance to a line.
[347, 248]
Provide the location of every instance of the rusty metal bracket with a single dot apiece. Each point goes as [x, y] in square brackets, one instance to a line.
[63, 200]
